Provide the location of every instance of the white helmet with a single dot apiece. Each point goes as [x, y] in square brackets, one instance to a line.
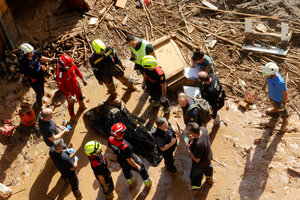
[26, 48]
[270, 69]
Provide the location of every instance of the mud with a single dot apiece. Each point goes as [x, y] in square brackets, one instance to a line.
[251, 161]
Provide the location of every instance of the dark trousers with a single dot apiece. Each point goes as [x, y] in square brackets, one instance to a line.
[197, 175]
[38, 87]
[169, 158]
[154, 90]
[127, 171]
[110, 184]
[74, 183]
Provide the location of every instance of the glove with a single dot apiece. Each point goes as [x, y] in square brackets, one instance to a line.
[71, 99]
[144, 86]
[84, 82]
[20, 81]
[71, 150]
[163, 99]
[132, 59]
[76, 158]
[69, 127]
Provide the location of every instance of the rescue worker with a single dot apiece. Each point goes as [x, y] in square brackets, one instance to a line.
[67, 82]
[203, 62]
[27, 115]
[277, 92]
[194, 110]
[139, 48]
[48, 128]
[125, 156]
[65, 165]
[106, 64]
[199, 150]
[212, 92]
[32, 70]
[99, 165]
[155, 83]
[165, 138]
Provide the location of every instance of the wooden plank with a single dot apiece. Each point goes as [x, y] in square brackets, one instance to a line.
[121, 3]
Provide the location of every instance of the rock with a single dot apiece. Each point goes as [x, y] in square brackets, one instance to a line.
[102, 11]
[244, 105]
[5, 192]
[212, 44]
[262, 28]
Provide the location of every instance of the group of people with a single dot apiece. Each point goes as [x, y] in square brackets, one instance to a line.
[105, 63]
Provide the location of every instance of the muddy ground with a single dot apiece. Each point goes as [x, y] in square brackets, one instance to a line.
[252, 162]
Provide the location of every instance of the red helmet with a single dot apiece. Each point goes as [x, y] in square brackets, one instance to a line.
[118, 130]
[65, 61]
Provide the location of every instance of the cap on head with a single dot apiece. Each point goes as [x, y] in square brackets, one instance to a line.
[92, 148]
[149, 61]
[118, 130]
[270, 69]
[98, 46]
[26, 48]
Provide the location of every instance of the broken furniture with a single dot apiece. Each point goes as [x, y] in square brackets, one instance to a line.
[273, 43]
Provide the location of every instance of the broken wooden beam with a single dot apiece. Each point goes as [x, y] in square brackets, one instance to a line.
[294, 171]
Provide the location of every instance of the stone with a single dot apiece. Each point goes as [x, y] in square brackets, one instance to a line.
[5, 192]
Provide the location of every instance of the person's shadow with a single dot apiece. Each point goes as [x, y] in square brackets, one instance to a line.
[142, 100]
[255, 176]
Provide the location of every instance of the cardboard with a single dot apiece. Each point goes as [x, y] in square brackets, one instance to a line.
[121, 3]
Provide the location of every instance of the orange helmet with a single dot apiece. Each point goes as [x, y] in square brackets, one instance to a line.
[118, 130]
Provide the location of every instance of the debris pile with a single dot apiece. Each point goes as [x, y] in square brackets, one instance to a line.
[9, 68]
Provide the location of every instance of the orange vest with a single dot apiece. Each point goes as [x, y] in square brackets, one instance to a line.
[28, 119]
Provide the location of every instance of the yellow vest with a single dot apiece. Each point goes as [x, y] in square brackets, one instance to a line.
[139, 54]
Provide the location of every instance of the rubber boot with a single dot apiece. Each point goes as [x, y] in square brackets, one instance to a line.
[285, 122]
[209, 180]
[270, 111]
[148, 183]
[128, 84]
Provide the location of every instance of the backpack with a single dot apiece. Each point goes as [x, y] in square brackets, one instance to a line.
[204, 110]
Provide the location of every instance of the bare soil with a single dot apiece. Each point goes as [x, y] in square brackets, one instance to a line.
[251, 162]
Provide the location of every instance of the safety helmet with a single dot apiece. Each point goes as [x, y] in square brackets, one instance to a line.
[270, 69]
[98, 46]
[65, 61]
[118, 130]
[92, 147]
[149, 61]
[26, 48]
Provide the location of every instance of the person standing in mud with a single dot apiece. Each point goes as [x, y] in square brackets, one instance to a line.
[99, 165]
[199, 150]
[194, 110]
[65, 165]
[125, 156]
[203, 62]
[212, 92]
[155, 83]
[139, 48]
[67, 82]
[166, 141]
[277, 92]
[48, 128]
[106, 64]
[33, 71]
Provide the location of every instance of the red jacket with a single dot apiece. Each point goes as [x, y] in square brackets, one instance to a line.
[66, 80]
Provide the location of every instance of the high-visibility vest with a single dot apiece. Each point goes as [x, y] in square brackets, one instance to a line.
[28, 119]
[139, 54]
